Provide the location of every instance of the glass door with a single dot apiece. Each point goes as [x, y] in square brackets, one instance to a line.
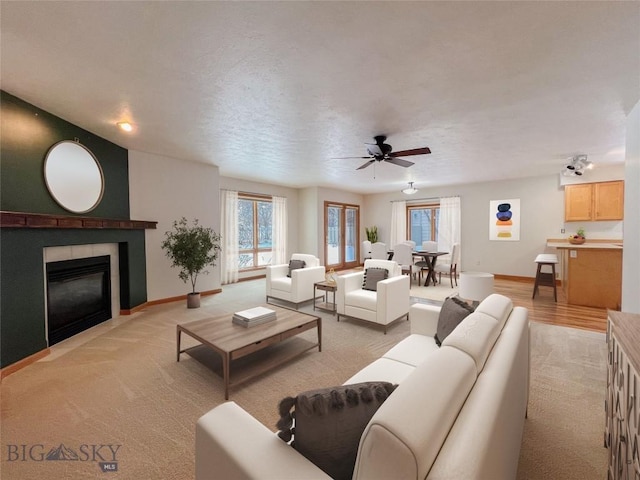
[341, 235]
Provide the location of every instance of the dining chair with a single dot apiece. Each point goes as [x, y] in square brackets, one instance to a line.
[366, 249]
[402, 255]
[429, 246]
[379, 251]
[450, 268]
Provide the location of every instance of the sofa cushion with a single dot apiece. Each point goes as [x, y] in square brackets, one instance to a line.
[412, 350]
[294, 265]
[372, 276]
[498, 306]
[384, 370]
[329, 423]
[360, 298]
[405, 435]
[282, 284]
[475, 336]
[452, 313]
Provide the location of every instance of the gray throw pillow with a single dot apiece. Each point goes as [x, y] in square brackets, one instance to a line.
[294, 265]
[452, 313]
[329, 423]
[372, 276]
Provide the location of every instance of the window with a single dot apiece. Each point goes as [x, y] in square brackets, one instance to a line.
[254, 232]
[423, 222]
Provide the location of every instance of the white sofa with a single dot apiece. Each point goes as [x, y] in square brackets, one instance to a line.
[299, 287]
[386, 305]
[458, 412]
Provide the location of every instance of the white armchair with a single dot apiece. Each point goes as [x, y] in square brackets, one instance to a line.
[389, 303]
[299, 287]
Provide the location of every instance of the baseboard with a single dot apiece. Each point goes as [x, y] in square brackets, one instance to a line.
[161, 301]
[20, 364]
[515, 278]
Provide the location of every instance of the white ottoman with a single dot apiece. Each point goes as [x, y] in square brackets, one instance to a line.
[475, 286]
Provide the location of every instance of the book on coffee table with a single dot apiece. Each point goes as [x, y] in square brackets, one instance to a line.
[253, 316]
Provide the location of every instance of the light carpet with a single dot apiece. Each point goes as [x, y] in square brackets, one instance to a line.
[436, 293]
[120, 384]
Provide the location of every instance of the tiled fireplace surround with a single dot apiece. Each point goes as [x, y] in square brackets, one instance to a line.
[73, 252]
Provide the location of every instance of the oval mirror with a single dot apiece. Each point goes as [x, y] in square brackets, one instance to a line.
[73, 176]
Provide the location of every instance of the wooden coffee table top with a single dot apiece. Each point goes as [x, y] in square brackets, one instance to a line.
[220, 333]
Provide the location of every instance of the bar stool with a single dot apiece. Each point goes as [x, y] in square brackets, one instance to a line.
[546, 279]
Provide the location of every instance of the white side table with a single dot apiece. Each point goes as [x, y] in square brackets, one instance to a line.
[475, 286]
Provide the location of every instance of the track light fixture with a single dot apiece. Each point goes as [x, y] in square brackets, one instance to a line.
[410, 190]
[576, 166]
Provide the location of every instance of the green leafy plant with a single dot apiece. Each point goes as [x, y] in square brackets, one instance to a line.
[191, 249]
[580, 233]
[372, 234]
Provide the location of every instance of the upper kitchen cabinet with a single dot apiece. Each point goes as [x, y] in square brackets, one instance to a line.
[594, 201]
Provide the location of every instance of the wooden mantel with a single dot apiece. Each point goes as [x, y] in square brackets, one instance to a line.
[39, 220]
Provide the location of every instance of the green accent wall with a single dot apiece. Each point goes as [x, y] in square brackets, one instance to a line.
[27, 133]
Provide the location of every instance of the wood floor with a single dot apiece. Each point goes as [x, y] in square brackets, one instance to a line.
[543, 309]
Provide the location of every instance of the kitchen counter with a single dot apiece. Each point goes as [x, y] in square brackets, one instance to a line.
[587, 244]
[591, 273]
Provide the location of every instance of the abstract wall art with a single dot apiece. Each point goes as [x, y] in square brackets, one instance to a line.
[504, 220]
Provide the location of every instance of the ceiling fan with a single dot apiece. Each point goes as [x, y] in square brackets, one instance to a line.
[381, 151]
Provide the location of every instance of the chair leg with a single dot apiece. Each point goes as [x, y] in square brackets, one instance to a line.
[451, 276]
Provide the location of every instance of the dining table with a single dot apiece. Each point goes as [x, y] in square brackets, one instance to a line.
[429, 262]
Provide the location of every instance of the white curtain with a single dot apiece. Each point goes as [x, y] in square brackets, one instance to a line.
[398, 223]
[448, 227]
[279, 230]
[229, 233]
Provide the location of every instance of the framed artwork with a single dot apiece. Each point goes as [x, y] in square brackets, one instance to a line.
[504, 220]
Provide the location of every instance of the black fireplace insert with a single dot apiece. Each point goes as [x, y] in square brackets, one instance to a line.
[78, 296]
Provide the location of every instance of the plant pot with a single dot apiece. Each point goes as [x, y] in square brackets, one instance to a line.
[576, 241]
[193, 300]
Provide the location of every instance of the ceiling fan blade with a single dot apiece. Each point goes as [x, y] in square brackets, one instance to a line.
[399, 161]
[365, 165]
[415, 151]
[347, 158]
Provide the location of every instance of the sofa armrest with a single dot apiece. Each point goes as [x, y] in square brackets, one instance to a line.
[424, 319]
[347, 283]
[302, 281]
[393, 298]
[277, 271]
[231, 444]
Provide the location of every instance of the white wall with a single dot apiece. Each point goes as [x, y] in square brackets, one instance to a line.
[631, 252]
[292, 195]
[541, 209]
[165, 189]
[308, 241]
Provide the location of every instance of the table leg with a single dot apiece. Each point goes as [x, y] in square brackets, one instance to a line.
[178, 332]
[225, 374]
[319, 334]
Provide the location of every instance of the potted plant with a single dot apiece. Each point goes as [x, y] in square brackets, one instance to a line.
[191, 249]
[372, 234]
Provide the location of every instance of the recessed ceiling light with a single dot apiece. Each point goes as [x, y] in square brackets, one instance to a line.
[126, 126]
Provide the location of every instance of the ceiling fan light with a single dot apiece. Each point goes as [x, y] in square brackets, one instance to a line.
[410, 190]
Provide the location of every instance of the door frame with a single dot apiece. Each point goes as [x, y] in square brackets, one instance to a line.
[343, 207]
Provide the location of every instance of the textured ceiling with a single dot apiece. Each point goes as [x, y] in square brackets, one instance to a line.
[274, 91]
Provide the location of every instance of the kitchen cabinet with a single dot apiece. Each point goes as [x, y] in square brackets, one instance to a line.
[594, 201]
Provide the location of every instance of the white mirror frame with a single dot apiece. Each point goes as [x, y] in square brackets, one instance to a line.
[73, 176]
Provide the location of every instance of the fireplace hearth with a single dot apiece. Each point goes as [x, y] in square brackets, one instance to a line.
[78, 296]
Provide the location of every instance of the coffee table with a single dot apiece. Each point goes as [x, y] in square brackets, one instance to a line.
[233, 342]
